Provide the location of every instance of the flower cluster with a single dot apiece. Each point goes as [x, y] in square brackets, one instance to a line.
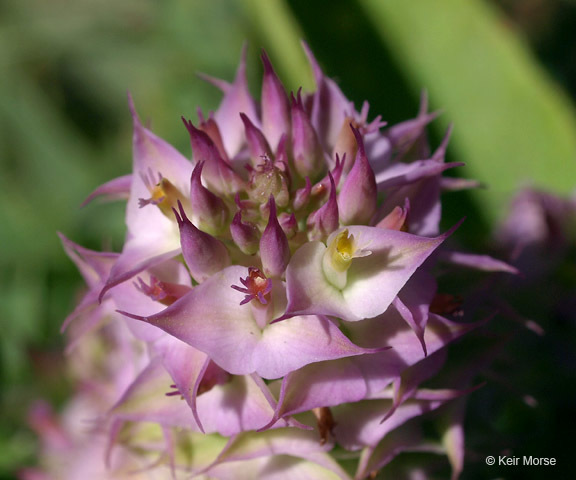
[273, 312]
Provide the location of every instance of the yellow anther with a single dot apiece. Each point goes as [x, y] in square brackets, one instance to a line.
[168, 196]
[158, 194]
[165, 196]
[345, 244]
[342, 251]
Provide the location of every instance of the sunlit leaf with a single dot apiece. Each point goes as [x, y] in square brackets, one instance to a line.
[513, 125]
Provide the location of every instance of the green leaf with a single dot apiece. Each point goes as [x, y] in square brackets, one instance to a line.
[513, 125]
[282, 37]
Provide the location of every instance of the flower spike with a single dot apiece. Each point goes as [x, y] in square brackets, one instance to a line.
[310, 300]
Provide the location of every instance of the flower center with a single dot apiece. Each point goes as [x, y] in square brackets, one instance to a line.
[267, 179]
[163, 194]
[256, 286]
[342, 251]
[338, 258]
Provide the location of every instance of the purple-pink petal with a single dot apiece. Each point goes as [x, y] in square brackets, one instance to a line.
[237, 99]
[355, 378]
[211, 319]
[373, 280]
[116, 189]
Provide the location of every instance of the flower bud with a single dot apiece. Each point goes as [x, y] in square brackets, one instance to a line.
[396, 219]
[275, 107]
[257, 143]
[307, 151]
[245, 235]
[164, 292]
[346, 144]
[288, 223]
[204, 254]
[324, 221]
[236, 99]
[209, 210]
[274, 249]
[210, 128]
[218, 174]
[357, 199]
[302, 195]
[321, 187]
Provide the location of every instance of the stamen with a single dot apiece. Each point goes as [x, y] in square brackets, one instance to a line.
[155, 290]
[343, 248]
[152, 186]
[256, 286]
[148, 178]
[174, 393]
[163, 292]
[163, 193]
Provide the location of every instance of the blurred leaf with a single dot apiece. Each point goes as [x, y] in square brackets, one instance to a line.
[513, 126]
[46, 170]
[282, 35]
[64, 129]
[65, 126]
[16, 449]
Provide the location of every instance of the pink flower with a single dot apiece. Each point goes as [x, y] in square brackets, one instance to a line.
[261, 279]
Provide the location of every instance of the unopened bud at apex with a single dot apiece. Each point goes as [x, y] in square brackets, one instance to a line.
[325, 220]
[218, 174]
[204, 254]
[307, 151]
[244, 234]
[358, 196]
[257, 143]
[275, 107]
[209, 209]
[274, 248]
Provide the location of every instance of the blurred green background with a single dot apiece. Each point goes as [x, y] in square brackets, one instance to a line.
[502, 71]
